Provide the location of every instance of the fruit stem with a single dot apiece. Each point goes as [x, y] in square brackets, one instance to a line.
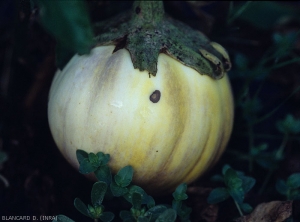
[147, 13]
[146, 31]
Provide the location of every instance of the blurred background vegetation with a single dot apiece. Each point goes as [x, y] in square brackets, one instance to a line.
[263, 41]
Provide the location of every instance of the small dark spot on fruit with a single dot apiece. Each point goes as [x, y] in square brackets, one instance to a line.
[137, 10]
[155, 96]
[157, 151]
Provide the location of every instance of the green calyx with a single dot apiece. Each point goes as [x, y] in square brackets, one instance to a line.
[146, 31]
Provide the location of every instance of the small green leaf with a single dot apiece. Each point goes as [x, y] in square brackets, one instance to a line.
[180, 192]
[126, 216]
[236, 186]
[155, 211]
[176, 205]
[98, 211]
[237, 194]
[169, 215]
[248, 183]
[246, 208]
[136, 200]
[86, 167]
[225, 168]
[103, 173]
[146, 199]
[144, 219]
[293, 181]
[107, 216]
[124, 176]
[98, 193]
[81, 155]
[232, 179]
[62, 218]
[289, 125]
[116, 190]
[281, 187]
[93, 158]
[184, 213]
[130, 220]
[240, 174]
[294, 195]
[109, 196]
[92, 211]
[218, 195]
[95, 211]
[81, 207]
[103, 158]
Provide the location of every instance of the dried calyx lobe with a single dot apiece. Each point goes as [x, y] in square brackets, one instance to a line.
[146, 31]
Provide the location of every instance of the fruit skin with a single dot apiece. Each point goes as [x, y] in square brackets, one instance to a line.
[99, 102]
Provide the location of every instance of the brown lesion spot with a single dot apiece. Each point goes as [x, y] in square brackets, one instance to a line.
[155, 96]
